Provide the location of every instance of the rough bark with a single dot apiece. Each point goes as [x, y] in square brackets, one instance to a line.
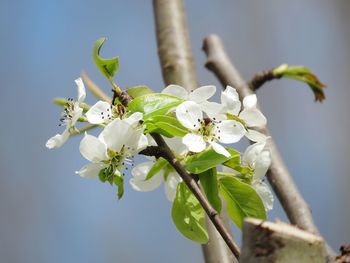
[268, 242]
[177, 65]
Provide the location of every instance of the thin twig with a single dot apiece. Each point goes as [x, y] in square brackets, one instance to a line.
[261, 78]
[166, 153]
[176, 60]
[94, 88]
[278, 175]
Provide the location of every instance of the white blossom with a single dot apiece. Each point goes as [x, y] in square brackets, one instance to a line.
[199, 96]
[139, 183]
[70, 116]
[250, 114]
[100, 112]
[112, 149]
[207, 131]
[259, 158]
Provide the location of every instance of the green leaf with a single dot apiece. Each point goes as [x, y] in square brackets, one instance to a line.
[108, 66]
[242, 200]
[209, 182]
[154, 104]
[303, 74]
[150, 127]
[119, 182]
[188, 215]
[108, 174]
[138, 91]
[233, 162]
[168, 124]
[157, 166]
[206, 160]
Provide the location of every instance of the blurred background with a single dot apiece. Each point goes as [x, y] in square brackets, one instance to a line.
[49, 214]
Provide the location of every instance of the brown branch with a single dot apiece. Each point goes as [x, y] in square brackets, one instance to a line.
[167, 154]
[278, 175]
[174, 47]
[261, 78]
[176, 60]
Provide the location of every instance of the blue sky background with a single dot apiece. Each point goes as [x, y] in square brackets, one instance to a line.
[49, 214]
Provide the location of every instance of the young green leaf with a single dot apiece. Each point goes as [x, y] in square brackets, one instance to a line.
[168, 124]
[119, 182]
[303, 74]
[157, 166]
[206, 160]
[209, 182]
[108, 66]
[138, 91]
[242, 200]
[151, 127]
[154, 104]
[109, 175]
[188, 215]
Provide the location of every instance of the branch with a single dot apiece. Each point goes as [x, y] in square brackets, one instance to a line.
[174, 47]
[167, 154]
[278, 175]
[279, 242]
[261, 78]
[94, 88]
[176, 60]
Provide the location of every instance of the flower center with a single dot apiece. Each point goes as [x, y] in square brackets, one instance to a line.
[207, 128]
[71, 113]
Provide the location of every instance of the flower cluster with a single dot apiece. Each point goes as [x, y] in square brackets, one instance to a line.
[206, 125]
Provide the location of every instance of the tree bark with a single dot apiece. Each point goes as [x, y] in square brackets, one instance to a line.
[278, 175]
[267, 242]
[177, 65]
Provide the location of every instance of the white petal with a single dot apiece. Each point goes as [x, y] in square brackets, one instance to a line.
[93, 149]
[229, 131]
[262, 164]
[139, 173]
[213, 110]
[175, 144]
[116, 134]
[58, 140]
[188, 113]
[141, 170]
[253, 117]
[170, 186]
[134, 119]
[90, 170]
[194, 142]
[81, 89]
[250, 101]
[256, 136]
[252, 152]
[99, 113]
[220, 149]
[202, 93]
[230, 100]
[176, 90]
[142, 143]
[76, 114]
[265, 193]
[151, 141]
